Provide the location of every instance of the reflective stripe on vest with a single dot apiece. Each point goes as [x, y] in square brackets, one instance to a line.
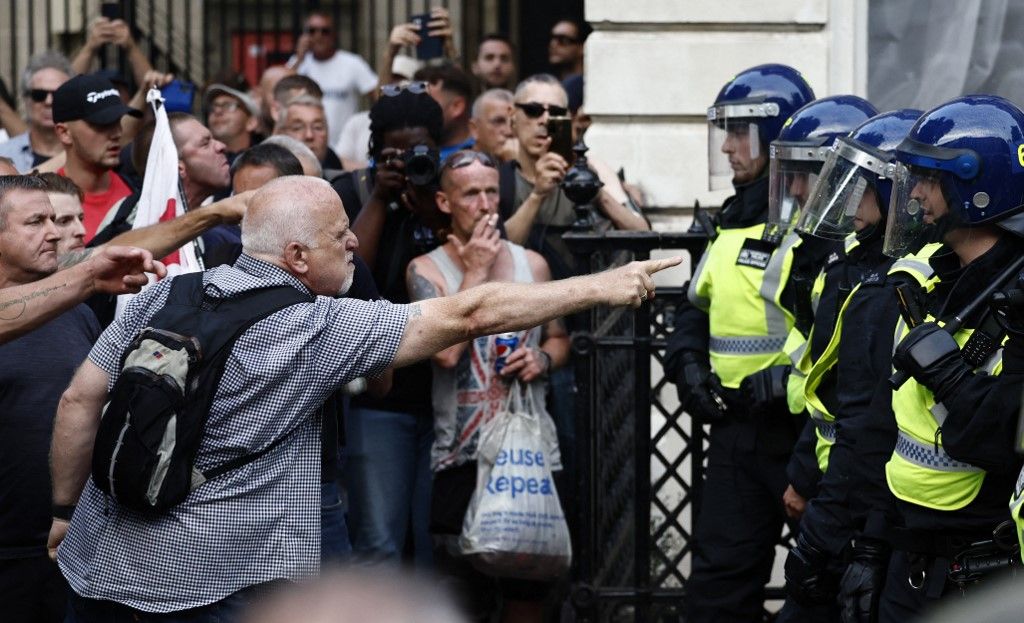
[747, 324]
[920, 471]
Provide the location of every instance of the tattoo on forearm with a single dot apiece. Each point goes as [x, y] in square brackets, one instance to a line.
[414, 310]
[420, 287]
[14, 308]
[73, 257]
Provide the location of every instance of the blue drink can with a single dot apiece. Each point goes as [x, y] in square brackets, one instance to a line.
[504, 345]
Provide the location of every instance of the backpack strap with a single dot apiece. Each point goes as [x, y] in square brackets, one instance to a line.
[218, 323]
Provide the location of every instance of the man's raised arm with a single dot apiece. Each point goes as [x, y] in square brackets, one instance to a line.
[436, 324]
[114, 270]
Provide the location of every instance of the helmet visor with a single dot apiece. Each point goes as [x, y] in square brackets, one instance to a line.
[844, 199]
[793, 172]
[731, 143]
[734, 143]
[920, 211]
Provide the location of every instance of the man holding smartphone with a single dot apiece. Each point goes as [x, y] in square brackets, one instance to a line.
[342, 75]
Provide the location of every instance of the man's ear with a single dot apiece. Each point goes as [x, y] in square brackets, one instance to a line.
[441, 199]
[296, 257]
[459, 107]
[474, 127]
[252, 123]
[63, 134]
[182, 171]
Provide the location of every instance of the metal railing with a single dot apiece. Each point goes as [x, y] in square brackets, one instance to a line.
[641, 460]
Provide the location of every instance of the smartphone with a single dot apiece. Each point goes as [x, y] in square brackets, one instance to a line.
[428, 47]
[111, 10]
[560, 131]
[178, 96]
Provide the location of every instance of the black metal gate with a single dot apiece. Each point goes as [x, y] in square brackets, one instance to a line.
[640, 462]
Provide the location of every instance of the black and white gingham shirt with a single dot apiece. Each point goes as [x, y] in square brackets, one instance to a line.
[259, 522]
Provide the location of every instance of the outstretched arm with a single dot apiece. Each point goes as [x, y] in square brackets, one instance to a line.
[115, 270]
[436, 324]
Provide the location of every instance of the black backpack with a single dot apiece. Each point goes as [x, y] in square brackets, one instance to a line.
[152, 425]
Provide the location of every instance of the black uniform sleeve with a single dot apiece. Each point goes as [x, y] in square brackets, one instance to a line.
[690, 333]
[982, 422]
[802, 470]
[865, 425]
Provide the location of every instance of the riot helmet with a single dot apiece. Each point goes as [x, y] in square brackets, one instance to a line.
[961, 166]
[853, 189]
[798, 153]
[746, 117]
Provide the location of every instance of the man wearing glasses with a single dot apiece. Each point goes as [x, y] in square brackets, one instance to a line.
[342, 75]
[565, 47]
[232, 117]
[45, 72]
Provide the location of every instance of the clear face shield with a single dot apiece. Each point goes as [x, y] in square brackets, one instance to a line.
[734, 145]
[793, 172]
[922, 211]
[843, 200]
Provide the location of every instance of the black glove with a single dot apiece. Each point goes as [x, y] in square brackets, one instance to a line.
[766, 389]
[808, 581]
[700, 390]
[931, 355]
[862, 583]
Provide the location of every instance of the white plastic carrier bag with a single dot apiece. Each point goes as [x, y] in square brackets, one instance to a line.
[515, 526]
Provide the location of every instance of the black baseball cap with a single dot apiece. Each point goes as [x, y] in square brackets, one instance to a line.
[91, 97]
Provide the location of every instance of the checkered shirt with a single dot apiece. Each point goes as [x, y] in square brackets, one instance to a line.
[261, 521]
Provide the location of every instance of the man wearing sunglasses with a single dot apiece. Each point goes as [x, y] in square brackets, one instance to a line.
[45, 72]
[342, 75]
[565, 47]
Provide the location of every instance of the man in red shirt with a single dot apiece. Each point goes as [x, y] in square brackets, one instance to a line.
[87, 113]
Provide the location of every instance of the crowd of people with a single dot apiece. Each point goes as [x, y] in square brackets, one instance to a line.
[390, 228]
[344, 335]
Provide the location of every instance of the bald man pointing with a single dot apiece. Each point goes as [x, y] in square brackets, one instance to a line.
[260, 523]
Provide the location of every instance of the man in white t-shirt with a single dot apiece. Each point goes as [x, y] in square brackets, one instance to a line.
[342, 75]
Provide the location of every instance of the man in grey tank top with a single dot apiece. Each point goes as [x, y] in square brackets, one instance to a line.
[468, 391]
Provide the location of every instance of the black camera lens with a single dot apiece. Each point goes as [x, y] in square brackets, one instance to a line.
[421, 165]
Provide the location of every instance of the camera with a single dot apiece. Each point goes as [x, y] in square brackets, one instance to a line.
[422, 165]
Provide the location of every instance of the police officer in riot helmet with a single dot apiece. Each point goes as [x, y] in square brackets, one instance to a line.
[733, 326]
[960, 186]
[853, 437]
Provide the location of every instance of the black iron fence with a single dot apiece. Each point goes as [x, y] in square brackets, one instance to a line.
[641, 461]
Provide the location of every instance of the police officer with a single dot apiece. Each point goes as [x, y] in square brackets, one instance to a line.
[796, 159]
[850, 201]
[961, 184]
[731, 330]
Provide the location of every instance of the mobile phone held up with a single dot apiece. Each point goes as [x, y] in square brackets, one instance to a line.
[111, 10]
[560, 131]
[428, 47]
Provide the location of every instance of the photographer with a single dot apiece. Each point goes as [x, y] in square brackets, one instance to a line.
[391, 205]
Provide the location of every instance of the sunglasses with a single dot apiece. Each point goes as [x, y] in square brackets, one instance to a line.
[467, 157]
[39, 95]
[391, 90]
[313, 30]
[534, 110]
[564, 39]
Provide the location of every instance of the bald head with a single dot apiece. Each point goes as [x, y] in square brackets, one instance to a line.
[286, 210]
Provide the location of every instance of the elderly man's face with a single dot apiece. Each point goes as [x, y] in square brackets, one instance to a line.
[309, 125]
[44, 82]
[330, 262]
[494, 126]
[28, 240]
[70, 220]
